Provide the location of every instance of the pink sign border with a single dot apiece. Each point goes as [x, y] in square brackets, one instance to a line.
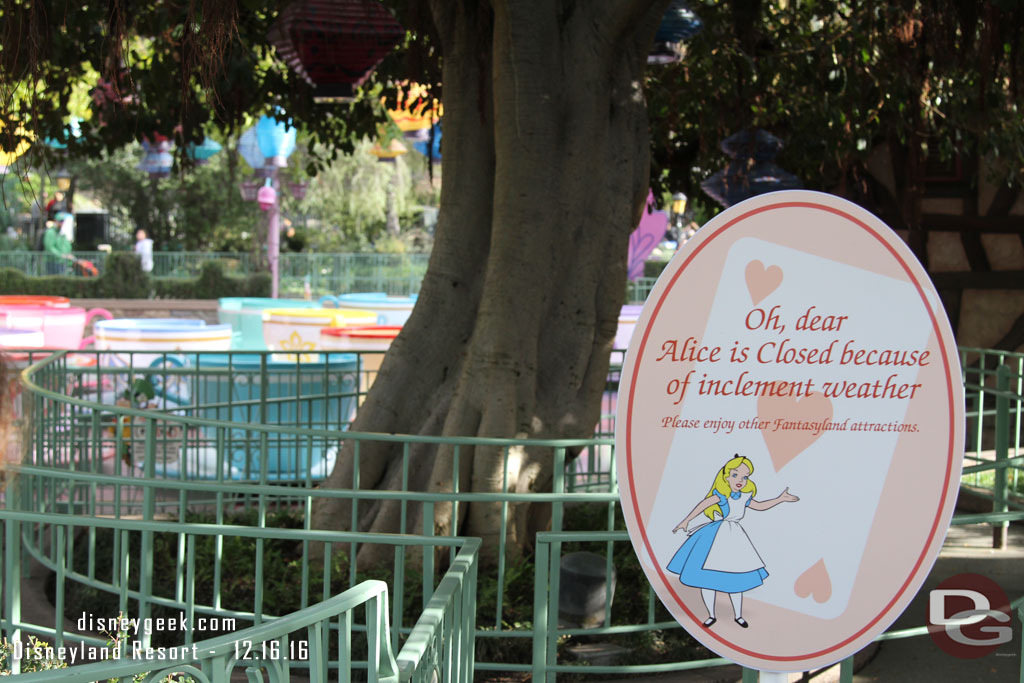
[950, 453]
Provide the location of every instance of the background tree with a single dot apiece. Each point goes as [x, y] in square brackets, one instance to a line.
[347, 200]
[545, 170]
[841, 82]
[196, 210]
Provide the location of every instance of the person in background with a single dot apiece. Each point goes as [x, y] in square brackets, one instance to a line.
[57, 248]
[144, 248]
[67, 226]
[54, 206]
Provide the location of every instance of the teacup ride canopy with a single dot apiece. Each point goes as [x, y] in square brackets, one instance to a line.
[335, 44]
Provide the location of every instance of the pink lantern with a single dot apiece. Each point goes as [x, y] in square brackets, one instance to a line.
[267, 197]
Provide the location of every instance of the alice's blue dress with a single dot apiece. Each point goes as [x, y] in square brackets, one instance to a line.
[719, 555]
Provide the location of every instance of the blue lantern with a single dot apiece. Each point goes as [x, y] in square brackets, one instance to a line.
[677, 26]
[202, 152]
[276, 140]
[72, 130]
[249, 148]
[428, 148]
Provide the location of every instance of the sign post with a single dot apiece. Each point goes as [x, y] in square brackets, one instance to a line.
[790, 432]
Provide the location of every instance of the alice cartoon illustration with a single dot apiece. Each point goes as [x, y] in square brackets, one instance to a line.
[717, 556]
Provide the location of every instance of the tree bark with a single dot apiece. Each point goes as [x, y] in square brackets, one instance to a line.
[544, 176]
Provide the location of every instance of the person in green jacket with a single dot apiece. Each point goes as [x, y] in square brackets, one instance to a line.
[58, 249]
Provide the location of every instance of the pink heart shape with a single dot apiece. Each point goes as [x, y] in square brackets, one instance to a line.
[785, 444]
[761, 281]
[814, 582]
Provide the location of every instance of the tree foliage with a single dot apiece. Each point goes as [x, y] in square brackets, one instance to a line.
[201, 209]
[176, 68]
[348, 199]
[837, 79]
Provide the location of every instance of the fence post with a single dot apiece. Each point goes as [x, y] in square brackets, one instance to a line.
[12, 577]
[540, 611]
[1002, 444]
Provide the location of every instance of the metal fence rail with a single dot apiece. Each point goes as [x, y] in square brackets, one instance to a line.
[394, 274]
[77, 464]
[317, 638]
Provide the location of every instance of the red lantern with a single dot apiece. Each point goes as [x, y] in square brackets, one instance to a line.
[335, 44]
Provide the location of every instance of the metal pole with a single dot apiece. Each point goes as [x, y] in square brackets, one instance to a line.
[274, 233]
[1002, 445]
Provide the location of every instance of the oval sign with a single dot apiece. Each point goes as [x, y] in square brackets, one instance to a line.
[790, 431]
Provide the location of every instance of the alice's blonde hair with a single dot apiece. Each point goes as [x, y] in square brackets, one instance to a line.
[721, 483]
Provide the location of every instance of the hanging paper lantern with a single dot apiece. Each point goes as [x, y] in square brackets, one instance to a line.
[202, 152]
[157, 159]
[428, 148]
[249, 149]
[266, 196]
[752, 170]
[276, 140]
[394, 150]
[416, 112]
[8, 158]
[72, 130]
[249, 188]
[678, 25]
[334, 44]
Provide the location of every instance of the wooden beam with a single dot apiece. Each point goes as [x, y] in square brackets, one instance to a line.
[952, 301]
[936, 222]
[1006, 196]
[997, 279]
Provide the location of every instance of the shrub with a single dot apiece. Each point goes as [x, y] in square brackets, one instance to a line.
[212, 283]
[654, 268]
[123, 278]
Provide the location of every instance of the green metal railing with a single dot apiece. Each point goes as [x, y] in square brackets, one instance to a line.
[317, 638]
[638, 290]
[395, 274]
[76, 465]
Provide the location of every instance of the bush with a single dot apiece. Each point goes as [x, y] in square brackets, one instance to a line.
[654, 268]
[123, 278]
[15, 282]
[212, 283]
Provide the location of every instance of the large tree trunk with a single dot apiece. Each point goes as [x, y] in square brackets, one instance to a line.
[544, 176]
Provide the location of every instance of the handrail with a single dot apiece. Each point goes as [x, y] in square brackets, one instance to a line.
[547, 631]
[27, 380]
[70, 422]
[455, 593]
[221, 654]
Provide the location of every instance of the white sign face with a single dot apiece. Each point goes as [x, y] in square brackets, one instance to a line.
[790, 431]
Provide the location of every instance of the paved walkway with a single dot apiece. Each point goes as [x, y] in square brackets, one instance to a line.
[968, 549]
